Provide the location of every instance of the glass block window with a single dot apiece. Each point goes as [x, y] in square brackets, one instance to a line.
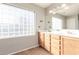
[16, 22]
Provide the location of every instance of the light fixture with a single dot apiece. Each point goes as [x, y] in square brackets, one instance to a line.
[63, 5]
[66, 7]
[50, 11]
[54, 12]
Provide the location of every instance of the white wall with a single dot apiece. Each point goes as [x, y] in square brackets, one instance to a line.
[11, 45]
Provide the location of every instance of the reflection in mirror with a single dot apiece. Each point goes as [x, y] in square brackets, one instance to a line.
[69, 15]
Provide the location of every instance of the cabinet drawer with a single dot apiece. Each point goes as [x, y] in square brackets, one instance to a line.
[55, 51]
[55, 37]
[56, 47]
[56, 42]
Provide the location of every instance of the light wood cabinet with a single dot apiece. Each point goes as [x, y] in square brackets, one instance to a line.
[50, 42]
[55, 44]
[44, 40]
[70, 45]
[47, 41]
[41, 38]
[59, 45]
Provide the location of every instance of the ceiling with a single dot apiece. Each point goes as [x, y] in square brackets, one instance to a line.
[73, 9]
[43, 5]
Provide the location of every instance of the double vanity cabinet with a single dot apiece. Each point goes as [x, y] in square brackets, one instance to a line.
[58, 44]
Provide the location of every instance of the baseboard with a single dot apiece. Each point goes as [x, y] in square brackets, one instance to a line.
[23, 49]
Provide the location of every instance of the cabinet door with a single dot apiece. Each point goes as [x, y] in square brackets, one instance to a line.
[47, 42]
[71, 46]
[41, 37]
[77, 47]
[55, 44]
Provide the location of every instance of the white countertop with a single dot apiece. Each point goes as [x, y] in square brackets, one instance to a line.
[69, 33]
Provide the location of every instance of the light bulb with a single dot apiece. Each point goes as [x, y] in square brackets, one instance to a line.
[66, 8]
[54, 12]
[63, 5]
[50, 11]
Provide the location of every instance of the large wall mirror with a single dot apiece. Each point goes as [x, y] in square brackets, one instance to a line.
[68, 13]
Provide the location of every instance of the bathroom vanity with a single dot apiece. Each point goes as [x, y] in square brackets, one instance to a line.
[60, 43]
